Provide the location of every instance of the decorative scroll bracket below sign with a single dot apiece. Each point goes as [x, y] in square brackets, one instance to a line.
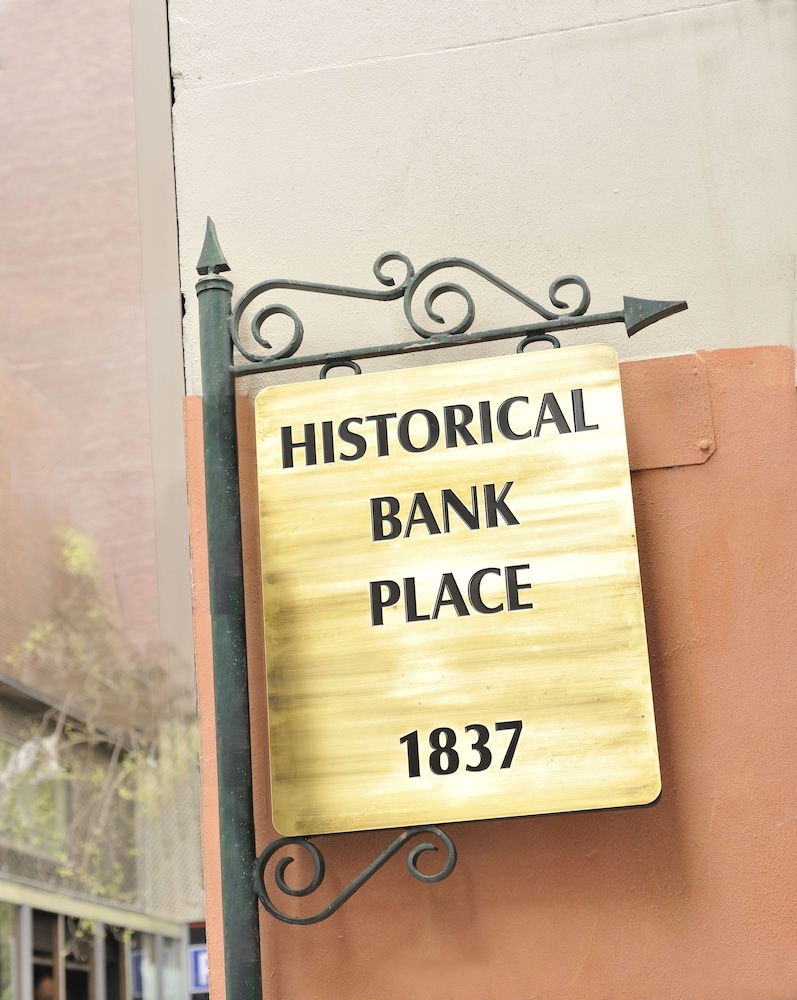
[319, 869]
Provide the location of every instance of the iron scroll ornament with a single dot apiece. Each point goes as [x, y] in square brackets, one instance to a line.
[406, 289]
[636, 313]
[319, 870]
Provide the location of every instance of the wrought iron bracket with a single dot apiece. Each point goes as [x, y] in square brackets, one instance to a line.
[319, 869]
[636, 313]
[220, 328]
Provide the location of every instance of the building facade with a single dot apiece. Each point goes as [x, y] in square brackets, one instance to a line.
[100, 873]
[651, 149]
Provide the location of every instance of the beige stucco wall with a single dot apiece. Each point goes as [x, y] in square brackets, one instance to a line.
[649, 147]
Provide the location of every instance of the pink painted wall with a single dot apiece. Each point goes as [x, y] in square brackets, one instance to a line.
[73, 330]
[693, 897]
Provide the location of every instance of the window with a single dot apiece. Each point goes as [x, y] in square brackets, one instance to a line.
[34, 804]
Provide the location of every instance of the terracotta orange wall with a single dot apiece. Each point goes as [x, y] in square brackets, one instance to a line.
[693, 897]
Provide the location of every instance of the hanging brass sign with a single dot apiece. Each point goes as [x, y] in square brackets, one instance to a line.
[453, 612]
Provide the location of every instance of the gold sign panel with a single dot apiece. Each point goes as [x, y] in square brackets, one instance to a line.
[453, 613]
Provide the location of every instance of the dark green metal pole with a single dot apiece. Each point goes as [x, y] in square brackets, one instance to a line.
[236, 819]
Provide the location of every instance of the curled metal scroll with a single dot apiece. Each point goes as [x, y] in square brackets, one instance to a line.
[406, 289]
[392, 291]
[319, 870]
[330, 365]
[466, 322]
[538, 338]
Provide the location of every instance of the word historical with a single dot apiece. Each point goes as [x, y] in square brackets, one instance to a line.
[420, 429]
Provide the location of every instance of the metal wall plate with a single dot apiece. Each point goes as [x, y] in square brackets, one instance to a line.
[441, 645]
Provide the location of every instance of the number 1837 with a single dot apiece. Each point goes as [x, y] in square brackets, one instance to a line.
[444, 755]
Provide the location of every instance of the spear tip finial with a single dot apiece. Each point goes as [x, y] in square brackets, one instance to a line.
[211, 260]
[639, 313]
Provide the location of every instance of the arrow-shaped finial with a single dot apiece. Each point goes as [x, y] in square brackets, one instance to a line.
[211, 260]
[639, 313]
